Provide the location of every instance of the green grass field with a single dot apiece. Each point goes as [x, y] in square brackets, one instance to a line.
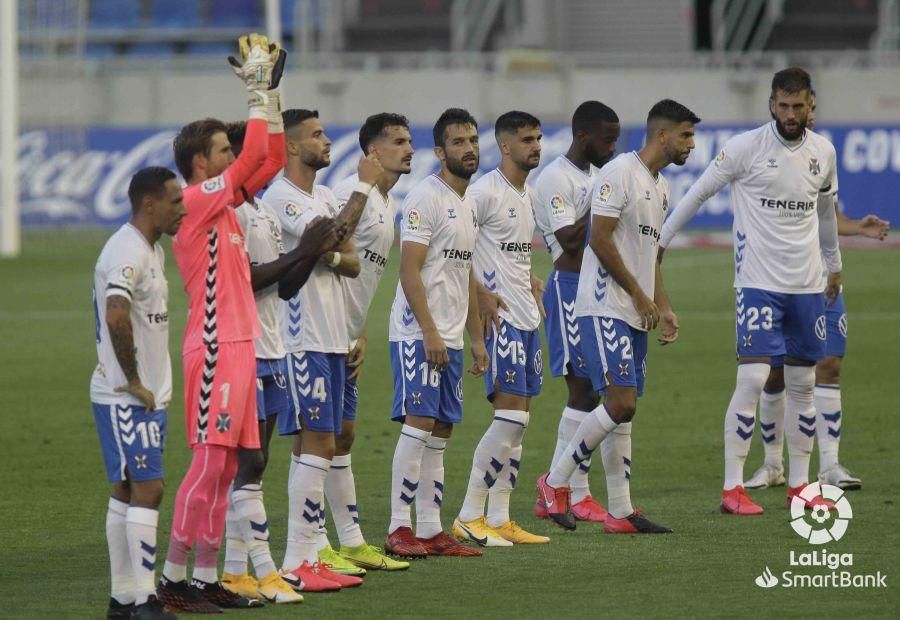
[53, 550]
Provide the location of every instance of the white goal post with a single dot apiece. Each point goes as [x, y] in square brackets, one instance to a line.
[10, 236]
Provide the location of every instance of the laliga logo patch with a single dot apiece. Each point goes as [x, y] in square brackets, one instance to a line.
[556, 205]
[128, 273]
[605, 191]
[720, 157]
[828, 523]
[820, 328]
[213, 185]
[412, 220]
[291, 210]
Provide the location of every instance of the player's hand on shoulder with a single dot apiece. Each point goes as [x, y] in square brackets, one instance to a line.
[874, 227]
[668, 327]
[435, 350]
[369, 169]
[137, 389]
[480, 359]
[356, 357]
[647, 310]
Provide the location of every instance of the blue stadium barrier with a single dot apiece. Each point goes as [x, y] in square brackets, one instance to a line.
[114, 13]
[64, 187]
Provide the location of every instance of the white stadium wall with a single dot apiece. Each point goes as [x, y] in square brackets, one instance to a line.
[161, 97]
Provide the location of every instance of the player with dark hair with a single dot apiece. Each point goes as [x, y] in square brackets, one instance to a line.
[621, 298]
[132, 385]
[502, 266]
[436, 300]
[562, 205]
[385, 136]
[316, 339]
[827, 393]
[783, 180]
[246, 524]
[218, 353]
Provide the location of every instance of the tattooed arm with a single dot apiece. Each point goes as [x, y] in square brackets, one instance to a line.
[118, 321]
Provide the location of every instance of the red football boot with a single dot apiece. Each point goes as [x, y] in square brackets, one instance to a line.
[736, 501]
[309, 578]
[589, 509]
[345, 581]
[402, 542]
[443, 544]
[540, 508]
[635, 523]
[557, 501]
[812, 502]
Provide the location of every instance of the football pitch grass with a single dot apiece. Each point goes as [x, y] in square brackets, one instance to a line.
[52, 541]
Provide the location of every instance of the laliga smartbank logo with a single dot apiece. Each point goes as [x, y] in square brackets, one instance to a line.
[825, 522]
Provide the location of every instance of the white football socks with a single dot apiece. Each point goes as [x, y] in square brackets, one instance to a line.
[491, 455]
[740, 419]
[828, 423]
[141, 532]
[235, 546]
[799, 421]
[430, 493]
[121, 577]
[340, 491]
[405, 471]
[500, 493]
[579, 482]
[254, 527]
[615, 451]
[306, 496]
[592, 430]
[771, 427]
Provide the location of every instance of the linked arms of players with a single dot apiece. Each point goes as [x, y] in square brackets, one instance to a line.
[571, 237]
[118, 321]
[704, 188]
[321, 236]
[602, 244]
[368, 171]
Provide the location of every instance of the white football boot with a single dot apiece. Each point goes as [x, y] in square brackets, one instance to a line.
[766, 476]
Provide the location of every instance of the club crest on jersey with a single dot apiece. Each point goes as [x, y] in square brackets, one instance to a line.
[814, 166]
[605, 192]
[412, 220]
[213, 185]
[291, 210]
[720, 158]
[556, 205]
[511, 211]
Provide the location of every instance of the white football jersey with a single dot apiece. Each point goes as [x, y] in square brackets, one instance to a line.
[775, 187]
[130, 267]
[503, 247]
[436, 216]
[312, 320]
[262, 236]
[562, 195]
[626, 190]
[373, 239]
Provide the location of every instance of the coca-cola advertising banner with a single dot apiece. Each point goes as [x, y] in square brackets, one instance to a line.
[80, 177]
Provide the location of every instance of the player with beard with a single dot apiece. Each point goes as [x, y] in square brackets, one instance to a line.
[316, 340]
[562, 206]
[783, 180]
[436, 300]
[827, 393]
[386, 136]
[620, 298]
[505, 216]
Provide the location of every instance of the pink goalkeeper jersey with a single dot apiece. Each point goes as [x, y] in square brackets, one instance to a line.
[213, 262]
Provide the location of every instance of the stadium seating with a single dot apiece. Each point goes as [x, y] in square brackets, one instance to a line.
[115, 13]
[176, 13]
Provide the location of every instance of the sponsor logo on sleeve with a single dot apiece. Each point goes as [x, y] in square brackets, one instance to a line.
[605, 192]
[412, 220]
[213, 185]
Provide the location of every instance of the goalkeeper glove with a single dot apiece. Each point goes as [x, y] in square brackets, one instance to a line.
[256, 70]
